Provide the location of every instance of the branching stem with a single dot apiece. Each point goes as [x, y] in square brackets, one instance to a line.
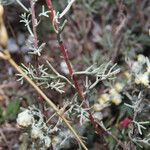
[59, 75]
[63, 50]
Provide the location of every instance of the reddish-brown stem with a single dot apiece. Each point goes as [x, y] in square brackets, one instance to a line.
[64, 52]
[66, 58]
[50, 8]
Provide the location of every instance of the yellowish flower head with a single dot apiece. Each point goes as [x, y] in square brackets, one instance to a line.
[101, 101]
[116, 99]
[127, 75]
[142, 79]
[113, 92]
[118, 87]
[55, 140]
[105, 97]
[97, 107]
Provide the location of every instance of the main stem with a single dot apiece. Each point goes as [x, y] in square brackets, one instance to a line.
[64, 51]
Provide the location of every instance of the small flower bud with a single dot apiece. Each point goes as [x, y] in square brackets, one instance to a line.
[97, 107]
[64, 68]
[105, 97]
[118, 87]
[101, 101]
[124, 123]
[141, 59]
[116, 99]
[98, 116]
[142, 79]
[127, 75]
[47, 141]
[25, 119]
[36, 132]
[112, 92]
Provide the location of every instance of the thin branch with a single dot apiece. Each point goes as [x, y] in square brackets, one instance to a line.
[23, 6]
[67, 8]
[58, 74]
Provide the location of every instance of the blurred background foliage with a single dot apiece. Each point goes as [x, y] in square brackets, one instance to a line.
[97, 31]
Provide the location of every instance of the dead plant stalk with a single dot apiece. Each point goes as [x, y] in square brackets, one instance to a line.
[6, 56]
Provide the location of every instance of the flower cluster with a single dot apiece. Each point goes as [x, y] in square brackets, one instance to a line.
[32, 119]
[140, 75]
[112, 96]
[141, 70]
